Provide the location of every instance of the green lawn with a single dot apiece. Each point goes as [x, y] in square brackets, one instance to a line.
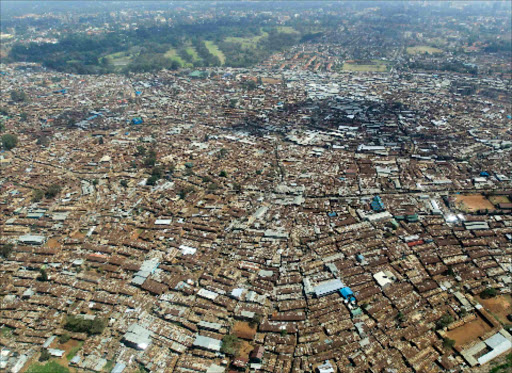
[375, 65]
[119, 59]
[246, 42]
[287, 29]
[192, 51]
[422, 49]
[49, 367]
[214, 49]
[173, 55]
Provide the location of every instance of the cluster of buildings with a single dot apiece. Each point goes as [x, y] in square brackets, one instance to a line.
[317, 221]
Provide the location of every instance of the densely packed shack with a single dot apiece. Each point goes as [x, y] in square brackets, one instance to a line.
[254, 220]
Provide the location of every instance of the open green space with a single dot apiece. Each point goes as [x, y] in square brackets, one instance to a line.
[246, 42]
[50, 367]
[172, 54]
[374, 65]
[422, 49]
[192, 51]
[287, 29]
[214, 49]
[119, 59]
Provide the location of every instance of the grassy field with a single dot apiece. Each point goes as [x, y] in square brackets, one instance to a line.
[422, 49]
[192, 51]
[120, 59]
[374, 65]
[173, 55]
[246, 42]
[287, 30]
[214, 49]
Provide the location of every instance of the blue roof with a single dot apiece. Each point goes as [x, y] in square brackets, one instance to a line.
[346, 292]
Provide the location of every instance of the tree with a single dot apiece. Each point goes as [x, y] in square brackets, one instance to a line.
[81, 325]
[230, 345]
[400, 317]
[18, 95]
[44, 275]
[256, 320]
[152, 180]
[157, 171]
[45, 355]
[6, 250]
[124, 183]
[52, 191]
[444, 321]
[448, 343]
[237, 187]
[150, 159]
[141, 150]
[37, 195]
[9, 141]
[488, 293]
[185, 192]
[223, 174]
[43, 140]
[64, 338]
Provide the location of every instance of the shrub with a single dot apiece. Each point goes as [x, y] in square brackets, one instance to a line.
[64, 338]
[6, 250]
[444, 321]
[488, 293]
[45, 355]
[448, 343]
[230, 345]
[52, 191]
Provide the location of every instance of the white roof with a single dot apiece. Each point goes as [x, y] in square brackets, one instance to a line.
[499, 345]
[207, 343]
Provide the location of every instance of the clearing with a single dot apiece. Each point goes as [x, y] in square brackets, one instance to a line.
[499, 306]
[245, 349]
[192, 52]
[373, 65]
[119, 59]
[246, 42]
[472, 203]
[214, 49]
[469, 332]
[173, 55]
[287, 30]
[243, 330]
[495, 200]
[422, 49]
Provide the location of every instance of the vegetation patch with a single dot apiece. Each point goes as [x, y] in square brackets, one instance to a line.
[49, 367]
[373, 65]
[423, 49]
[81, 325]
[214, 49]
